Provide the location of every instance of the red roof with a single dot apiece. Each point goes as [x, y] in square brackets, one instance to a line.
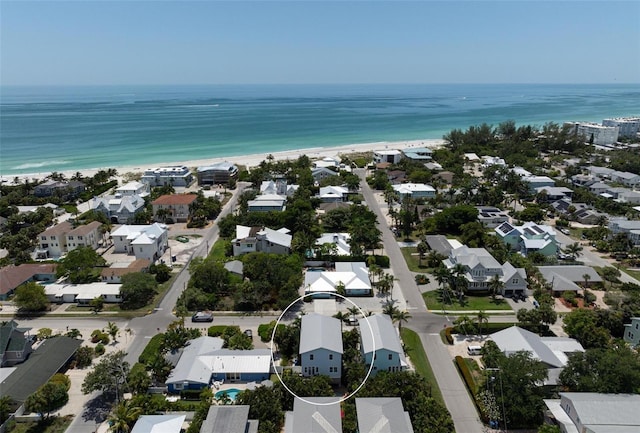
[12, 276]
[175, 199]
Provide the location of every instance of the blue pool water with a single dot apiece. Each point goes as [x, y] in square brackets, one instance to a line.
[231, 392]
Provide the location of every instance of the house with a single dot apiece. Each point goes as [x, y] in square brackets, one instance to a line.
[337, 243]
[390, 156]
[382, 415]
[159, 424]
[529, 237]
[631, 228]
[57, 210]
[83, 294]
[551, 351]
[140, 189]
[628, 196]
[584, 179]
[397, 176]
[592, 412]
[314, 415]
[433, 166]
[330, 194]
[267, 203]
[414, 190]
[321, 346]
[220, 173]
[143, 241]
[174, 207]
[491, 217]
[353, 276]
[87, 235]
[625, 177]
[119, 208]
[535, 182]
[176, 176]
[571, 277]
[602, 172]
[277, 187]
[488, 161]
[11, 276]
[445, 176]
[439, 244]
[385, 349]
[228, 419]
[553, 193]
[480, 267]
[15, 347]
[327, 162]
[632, 332]
[261, 239]
[53, 241]
[420, 154]
[321, 173]
[65, 190]
[113, 274]
[51, 356]
[204, 361]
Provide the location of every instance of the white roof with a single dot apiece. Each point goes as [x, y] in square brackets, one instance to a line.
[388, 152]
[320, 332]
[133, 231]
[599, 409]
[278, 237]
[239, 361]
[132, 186]
[82, 291]
[340, 240]
[159, 424]
[384, 334]
[353, 275]
[333, 190]
[409, 188]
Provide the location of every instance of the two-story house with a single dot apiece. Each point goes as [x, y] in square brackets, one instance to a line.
[632, 332]
[480, 267]
[87, 235]
[330, 194]
[220, 173]
[119, 208]
[261, 239]
[385, 349]
[15, 347]
[143, 241]
[53, 241]
[174, 207]
[321, 346]
[414, 190]
[133, 188]
[528, 238]
[176, 176]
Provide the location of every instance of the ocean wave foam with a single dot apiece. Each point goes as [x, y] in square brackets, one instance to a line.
[38, 164]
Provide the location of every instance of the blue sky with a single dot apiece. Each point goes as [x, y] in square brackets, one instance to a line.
[162, 42]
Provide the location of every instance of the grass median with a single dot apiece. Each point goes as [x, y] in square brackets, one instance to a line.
[416, 352]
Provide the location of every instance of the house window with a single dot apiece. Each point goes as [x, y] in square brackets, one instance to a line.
[80, 237]
[330, 356]
[311, 357]
[140, 249]
[390, 356]
[515, 281]
[177, 386]
[70, 238]
[44, 238]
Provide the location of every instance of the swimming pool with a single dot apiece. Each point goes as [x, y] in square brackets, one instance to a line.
[231, 393]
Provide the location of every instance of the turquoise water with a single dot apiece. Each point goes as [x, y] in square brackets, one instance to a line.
[68, 128]
[231, 392]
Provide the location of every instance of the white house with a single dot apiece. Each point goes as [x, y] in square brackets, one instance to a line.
[267, 203]
[354, 276]
[339, 243]
[321, 346]
[625, 177]
[278, 187]
[415, 190]
[217, 174]
[159, 424]
[143, 241]
[480, 267]
[535, 182]
[385, 350]
[133, 188]
[382, 415]
[119, 208]
[261, 239]
[330, 194]
[177, 176]
[421, 154]
[327, 162]
[554, 193]
[592, 412]
[392, 156]
[83, 294]
[632, 332]
[87, 235]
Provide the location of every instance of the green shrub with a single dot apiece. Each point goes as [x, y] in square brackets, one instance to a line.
[447, 334]
[570, 297]
[382, 261]
[466, 373]
[154, 347]
[219, 330]
[99, 349]
[589, 297]
[84, 355]
[190, 394]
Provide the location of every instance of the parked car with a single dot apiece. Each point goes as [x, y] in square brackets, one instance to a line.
[202, 316]
[248, 333]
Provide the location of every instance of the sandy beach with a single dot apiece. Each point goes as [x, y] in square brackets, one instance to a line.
[247, 160]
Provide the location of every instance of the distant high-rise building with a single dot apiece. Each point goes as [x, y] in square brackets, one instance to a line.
[627, 126]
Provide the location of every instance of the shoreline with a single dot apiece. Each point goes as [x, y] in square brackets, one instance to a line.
[251, 160]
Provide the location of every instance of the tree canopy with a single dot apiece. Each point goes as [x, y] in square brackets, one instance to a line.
[81, 265]
[31, 297]
[137, 290]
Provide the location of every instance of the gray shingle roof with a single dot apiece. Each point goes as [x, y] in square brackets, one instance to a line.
[318, 331]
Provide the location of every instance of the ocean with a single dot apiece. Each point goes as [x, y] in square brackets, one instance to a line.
[45, 129]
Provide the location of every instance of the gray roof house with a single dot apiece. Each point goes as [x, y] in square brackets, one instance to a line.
[385, 349]
[261, 239]
[632, 332]
[552, 351]
[14, 346]
[590, 412]
[382, 415]
[563, 278]
[321, 346]
[159, 424]
[314, 415]
[229, 419]
[119, 208]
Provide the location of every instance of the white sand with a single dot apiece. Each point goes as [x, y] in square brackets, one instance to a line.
[250, 160]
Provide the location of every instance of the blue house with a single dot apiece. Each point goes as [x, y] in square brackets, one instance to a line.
[321, 346]
[385, 349]
[204, 361]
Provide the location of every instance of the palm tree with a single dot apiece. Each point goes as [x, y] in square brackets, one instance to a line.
[123, 417]
[5, 407]
[458, 279]
[353, 311]
[422, 250]
[401, 316]
[112, 330]
[495, 286]
[390, 309]
[586, 278]
[464, 321]
[481, 317]
[443, 276]
[574, 250]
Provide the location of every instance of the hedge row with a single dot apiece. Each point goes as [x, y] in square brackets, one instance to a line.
[219, 330]
[447, 334]
[151, 351]
[468, 376]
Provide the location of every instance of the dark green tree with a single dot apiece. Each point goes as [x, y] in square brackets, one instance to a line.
[48, 398]
[137, 290]
[31, 297]
[81, 265]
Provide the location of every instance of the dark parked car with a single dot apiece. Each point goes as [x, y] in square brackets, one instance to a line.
[248, 333]
[202, 316]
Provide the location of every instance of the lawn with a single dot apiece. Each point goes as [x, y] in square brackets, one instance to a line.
[218, 250]
[469, 303]
[413, 261]
[54, 424]
[416, 352]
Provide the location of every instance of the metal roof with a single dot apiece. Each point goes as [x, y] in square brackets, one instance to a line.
[159, 424]
[320, 332]
[384, 334]
[382, 415]
[308, 417]
[516, 339]
[228, 419]
[602, 410]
